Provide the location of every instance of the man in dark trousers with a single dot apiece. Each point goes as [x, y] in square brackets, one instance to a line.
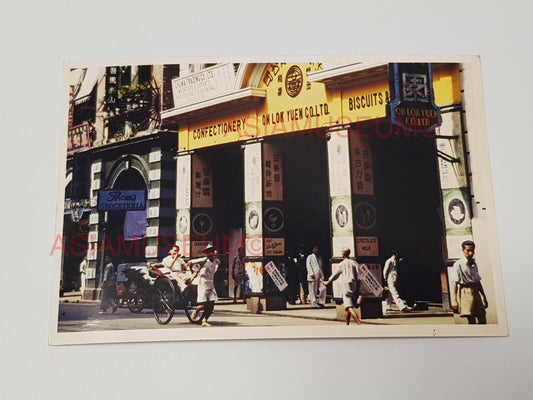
[302, 275]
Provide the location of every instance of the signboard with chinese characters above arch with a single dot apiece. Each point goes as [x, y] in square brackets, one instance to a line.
[293, 103]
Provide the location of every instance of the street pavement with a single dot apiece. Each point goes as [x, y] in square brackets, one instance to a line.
[77, 315]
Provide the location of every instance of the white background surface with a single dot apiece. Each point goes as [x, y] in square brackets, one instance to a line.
[37, 37]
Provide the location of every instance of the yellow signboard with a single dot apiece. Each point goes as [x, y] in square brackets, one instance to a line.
[446, 85]
[365, 102]
[294, 104]
[222, 129]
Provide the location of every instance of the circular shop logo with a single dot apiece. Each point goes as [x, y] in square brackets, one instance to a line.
[273, 219]
[457, 211]
[294, 81]
[183, 224]
[253, 220]
[202, 224]
[365, 216]
[341, 216]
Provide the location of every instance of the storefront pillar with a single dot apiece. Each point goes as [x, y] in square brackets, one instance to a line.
[183, 203]
[264, 223]
[91, 289]
[161, 214]
[352, 213]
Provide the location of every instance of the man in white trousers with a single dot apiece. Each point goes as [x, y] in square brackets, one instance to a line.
[315, 279]
[390, 273]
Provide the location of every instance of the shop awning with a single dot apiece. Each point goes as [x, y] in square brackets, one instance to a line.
[75, 76]
[87, 86]
[351, 73]
[243, 96]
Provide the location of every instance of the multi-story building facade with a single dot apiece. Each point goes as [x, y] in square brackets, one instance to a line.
[116, 141]
[275, 156]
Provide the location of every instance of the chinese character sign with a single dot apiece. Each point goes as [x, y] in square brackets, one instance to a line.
[362, 170]
[202, 183]
[276, 276]
[272, 173]
[370, 280]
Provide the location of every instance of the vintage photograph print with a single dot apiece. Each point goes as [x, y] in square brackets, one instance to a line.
[331, 197]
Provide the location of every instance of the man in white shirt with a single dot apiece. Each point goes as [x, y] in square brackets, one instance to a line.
[350, 285]
[177, 266]
[315, 279]
[207, 295]
[390, 274]
[83, 273]
[469, 296]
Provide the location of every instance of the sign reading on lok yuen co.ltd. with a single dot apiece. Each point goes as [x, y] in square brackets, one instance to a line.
[121, 200]
[412, 107]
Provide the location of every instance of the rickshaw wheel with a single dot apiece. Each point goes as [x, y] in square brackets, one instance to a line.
[163, 301]
[136, 303]
[190, 305]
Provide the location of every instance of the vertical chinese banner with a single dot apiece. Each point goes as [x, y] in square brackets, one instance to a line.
[362, 169]
[361, 161]
[202, 224]
[253, 200]
[273, 215]
[272, 173]
[202, 184]
[183, 203]
[340, 193]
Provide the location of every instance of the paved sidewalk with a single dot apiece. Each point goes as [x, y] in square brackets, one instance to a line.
[435, 315]
[329, 313]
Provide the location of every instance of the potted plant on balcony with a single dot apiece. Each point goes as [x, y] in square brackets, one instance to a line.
[135, 96]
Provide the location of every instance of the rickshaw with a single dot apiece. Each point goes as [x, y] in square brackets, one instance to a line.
[152, 286]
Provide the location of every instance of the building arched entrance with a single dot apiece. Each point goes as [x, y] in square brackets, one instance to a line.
[126, 230]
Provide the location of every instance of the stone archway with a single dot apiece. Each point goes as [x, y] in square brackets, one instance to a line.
[126, 230]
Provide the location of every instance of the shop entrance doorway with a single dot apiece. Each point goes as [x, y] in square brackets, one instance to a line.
[227, 167]
[408, 208]
[306, 194]
[126, 241]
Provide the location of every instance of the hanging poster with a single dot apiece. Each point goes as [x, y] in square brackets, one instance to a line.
[272, 173]
[202, 183]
